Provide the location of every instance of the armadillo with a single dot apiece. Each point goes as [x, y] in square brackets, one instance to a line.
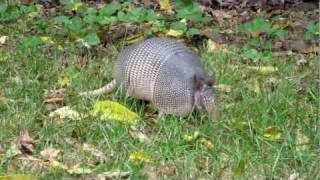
[165, 72]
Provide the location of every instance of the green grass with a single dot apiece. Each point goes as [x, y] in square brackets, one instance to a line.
[239, 148]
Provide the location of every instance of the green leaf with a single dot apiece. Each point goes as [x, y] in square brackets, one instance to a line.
[281, 34]
[193, 31]
[191, 12]
[62, 20]
[251, 54]
[3, 7]
[92, 39]
[110, 9]
[104, 20]
[178, 26]
[257, 25]
[30, 42]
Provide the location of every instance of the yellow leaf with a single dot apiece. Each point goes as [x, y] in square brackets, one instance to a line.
[263, 69]
[174, 33]
[272, 133]
[211, 45]
[190, 138]
[46, 40]
[139, 157]
[76, 6]
[18, 177]
[223, 88]
[109, 110]
[165, 5]
[64, 81]
[134, 39]
[58, 165]
[207, 143]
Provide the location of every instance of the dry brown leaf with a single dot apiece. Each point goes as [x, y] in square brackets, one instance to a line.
[50, 153]
[27, 143]
[168, 170]
[302, 141]
[53, 98]
[313, 49]
[137, 134]
[27, 161]
[150, 172]
[95, 152]
[207, 143]
[110, 175]
[65, 112]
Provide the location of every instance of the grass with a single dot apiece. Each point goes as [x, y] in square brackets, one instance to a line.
[239, 148]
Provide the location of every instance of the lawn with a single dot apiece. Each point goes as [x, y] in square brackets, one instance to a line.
[268, 126]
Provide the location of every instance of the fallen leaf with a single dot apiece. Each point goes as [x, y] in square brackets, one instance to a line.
[95, 152]
[302, 141]
[64, 81]
[12, 151]
[50, 153]
[137, 134]
[211, 45]
[46, 39]
[65, 112]
[206, 143]
[58, 165]
[313, 49]
[165, 5]
[265, 70]
[193, 137]
[79, 171]
[294, 176]
[168, 170]
[18, 177]
[272, 133]
[110, 175]
[139, 157]
[223, 88]
[27, 162]
[175, 33]
[109, 110]
[54, 96]
[134, 39]
[3, 40]
[150, 172]
[26, 142]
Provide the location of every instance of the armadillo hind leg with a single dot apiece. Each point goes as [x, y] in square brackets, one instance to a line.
[105, 89]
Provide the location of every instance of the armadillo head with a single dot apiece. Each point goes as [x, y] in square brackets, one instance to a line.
[205, 95]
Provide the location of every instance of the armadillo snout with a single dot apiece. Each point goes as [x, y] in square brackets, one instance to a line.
[208, 103]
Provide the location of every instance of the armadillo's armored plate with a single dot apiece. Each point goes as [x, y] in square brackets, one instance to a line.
[159, 70]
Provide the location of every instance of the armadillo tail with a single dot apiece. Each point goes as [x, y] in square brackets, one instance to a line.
[105, 89]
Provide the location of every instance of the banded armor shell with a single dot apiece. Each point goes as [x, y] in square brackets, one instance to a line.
[159, 70]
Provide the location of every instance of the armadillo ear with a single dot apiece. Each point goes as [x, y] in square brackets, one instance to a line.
[198, 82]
[211, 80]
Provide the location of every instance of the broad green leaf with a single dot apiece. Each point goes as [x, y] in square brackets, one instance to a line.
[30, 42]
[109, 110]
[92, 39]
[251, 53]
[105, 20]
[193, 31]
[109, 9]
[272, 133]
[3, 7]
[62, 20]
[280, 33]
[256, 26]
